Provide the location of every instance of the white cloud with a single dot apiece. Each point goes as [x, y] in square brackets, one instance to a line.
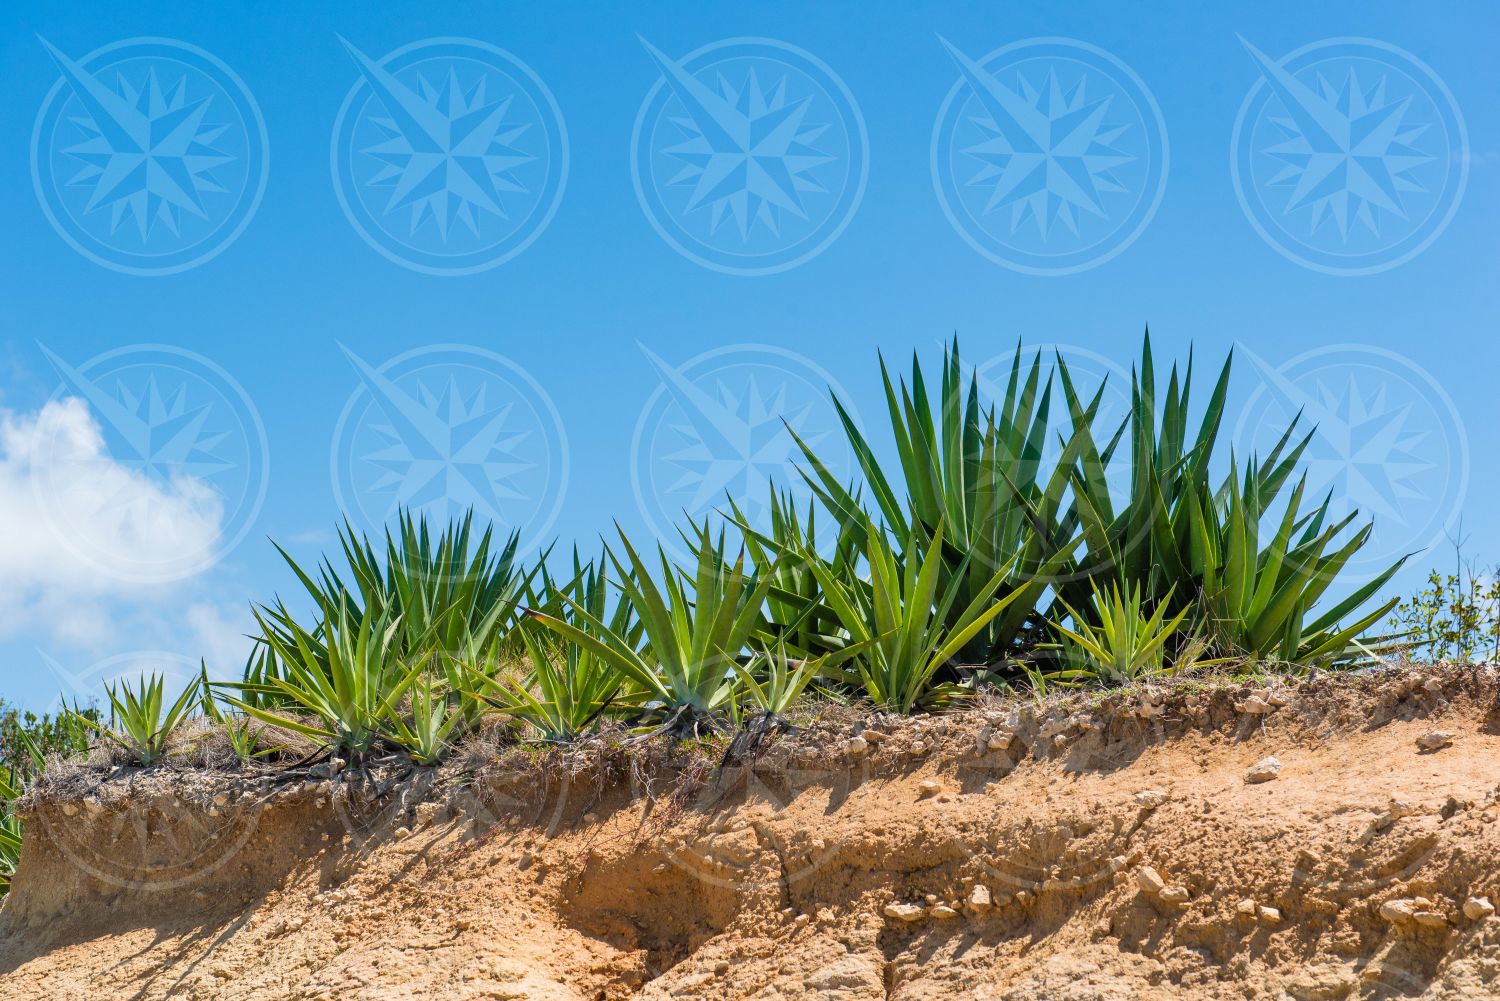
[85, 539]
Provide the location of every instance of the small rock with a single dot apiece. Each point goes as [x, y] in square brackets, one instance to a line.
[1431, 919]
[1397, 911]
[1399, 808]
[1174, 895]
[1118, 863]
[1263, 770]
[980, 901]
[1435, 741]
[1001, 740]
[1246, 906]
[1278, 700]
[872, 736]
[1433, 685]
[220, 799]
[1149, 880]
[1150, 799]
[904, 911]
[1254, 705]
[70, 809]
[1478, 908]
[801, 920]
[1269, 915]
[402, 832]
[856, 747]
[943, 912]
[930, 787]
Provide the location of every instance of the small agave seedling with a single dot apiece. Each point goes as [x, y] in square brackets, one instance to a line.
[136, 720]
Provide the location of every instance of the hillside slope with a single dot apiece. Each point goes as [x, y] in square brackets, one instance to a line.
[1073, 851]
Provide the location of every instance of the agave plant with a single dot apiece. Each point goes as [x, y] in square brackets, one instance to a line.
[429, 728]
[243, 734]
[911, 620]
[10, 837]
[564, 690]
[137, 722]
[1187, 540]
[1126, 644]
[342, 687]
[445, 592]
[773, 681]
[694, 628]
[795, 612]
[979, 473]
[1258, 598]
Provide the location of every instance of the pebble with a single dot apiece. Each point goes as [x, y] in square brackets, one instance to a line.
[856, 747]
[1150, 799]
[1435, 741]
[1263, 770]
[1246, 906]
[1254, 705]
[70, 809]
[930, 787]
[1270, 915]
[904, 911]
[980, 900]
[943, 912]
[1149, 880]
[872, 736]
[1174, 895]
[1478, 908]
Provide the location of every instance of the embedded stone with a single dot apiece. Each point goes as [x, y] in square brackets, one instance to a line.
[1149, 880]
[902, 911]
[1263, 770]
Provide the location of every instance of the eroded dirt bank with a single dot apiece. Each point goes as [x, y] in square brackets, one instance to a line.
[1090, 851]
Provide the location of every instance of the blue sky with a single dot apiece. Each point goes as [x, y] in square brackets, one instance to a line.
[939, 169]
